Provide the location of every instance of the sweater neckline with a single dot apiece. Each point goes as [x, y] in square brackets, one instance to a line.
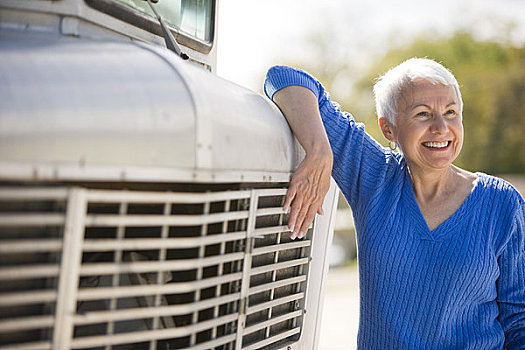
[443, 230]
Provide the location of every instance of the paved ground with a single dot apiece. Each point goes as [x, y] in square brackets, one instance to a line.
[341, 310]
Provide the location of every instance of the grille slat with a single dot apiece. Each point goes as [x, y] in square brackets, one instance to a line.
[277, 284]
[43, 345]
[33, 246]
[274, 339]
[100, 245]
[23, 219]
[184, 264]
[34, 194]
[32, 297]
[270, 211]
[172, 288]
[16, 324]
[273, 192]
[275, 302]
[278, 266]
[101, 196]
[213, 343]
[137, 313]
[131, 337]
[158, 220]
[28, 271]
[271, 322]
[280, 247]
[86, 268]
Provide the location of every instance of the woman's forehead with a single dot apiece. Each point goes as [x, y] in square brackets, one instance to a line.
[423, 92]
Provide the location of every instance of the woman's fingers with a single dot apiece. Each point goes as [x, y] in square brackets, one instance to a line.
[290, 194]
[296, 206]
[307, 201]
[308, 218]
[299, 220]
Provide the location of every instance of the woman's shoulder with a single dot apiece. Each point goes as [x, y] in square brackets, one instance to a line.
[502, 205]
[499, 189]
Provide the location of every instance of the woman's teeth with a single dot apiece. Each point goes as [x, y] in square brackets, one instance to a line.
[436, 144]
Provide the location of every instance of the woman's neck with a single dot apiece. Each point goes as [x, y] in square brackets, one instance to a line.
[433, 185]
[440, 193]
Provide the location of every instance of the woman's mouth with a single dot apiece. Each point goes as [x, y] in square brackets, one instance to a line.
[435, 145]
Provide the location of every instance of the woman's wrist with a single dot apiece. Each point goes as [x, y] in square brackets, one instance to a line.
[320, 151]
[321, 155]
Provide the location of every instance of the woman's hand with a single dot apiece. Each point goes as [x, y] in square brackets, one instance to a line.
[306, 193]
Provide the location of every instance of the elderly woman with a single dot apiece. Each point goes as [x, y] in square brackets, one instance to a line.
[441, 250]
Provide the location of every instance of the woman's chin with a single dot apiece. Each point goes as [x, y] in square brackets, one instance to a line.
[432, 163]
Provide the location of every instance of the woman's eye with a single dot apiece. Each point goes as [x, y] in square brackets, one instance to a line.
[423, 114]
[450, 112]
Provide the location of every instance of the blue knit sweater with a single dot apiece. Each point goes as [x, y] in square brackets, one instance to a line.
[459, 286]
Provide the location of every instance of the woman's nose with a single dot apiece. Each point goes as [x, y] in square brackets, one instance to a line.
[438, 124]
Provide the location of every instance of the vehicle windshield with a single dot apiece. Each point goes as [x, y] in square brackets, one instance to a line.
[193, 17]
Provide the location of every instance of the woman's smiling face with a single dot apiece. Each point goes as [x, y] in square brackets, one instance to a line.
[429, 128]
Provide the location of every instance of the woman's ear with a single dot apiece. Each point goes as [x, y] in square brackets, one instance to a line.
[388, 129]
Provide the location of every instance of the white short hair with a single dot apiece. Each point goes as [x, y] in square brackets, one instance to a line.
[388, 88]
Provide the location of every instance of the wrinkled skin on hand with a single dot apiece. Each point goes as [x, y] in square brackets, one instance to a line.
[306, 193]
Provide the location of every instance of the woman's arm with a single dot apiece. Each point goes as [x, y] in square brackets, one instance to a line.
[360, 164]
[511, 284]
[311, 180]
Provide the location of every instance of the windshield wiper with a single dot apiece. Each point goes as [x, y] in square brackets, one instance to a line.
[171, 43]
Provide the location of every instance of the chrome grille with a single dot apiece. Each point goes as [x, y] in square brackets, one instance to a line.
[88, 268]
[31, 241]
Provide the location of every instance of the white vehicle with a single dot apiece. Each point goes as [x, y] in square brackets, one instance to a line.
[140, 194]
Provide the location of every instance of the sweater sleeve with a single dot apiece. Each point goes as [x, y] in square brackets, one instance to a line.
[511, 284]
[360, 163]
